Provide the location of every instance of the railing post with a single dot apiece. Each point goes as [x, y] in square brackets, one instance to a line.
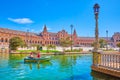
[99, 58]
[114, 61]
[103, 59]
[96, 58]
[110, 61]
[118, 61]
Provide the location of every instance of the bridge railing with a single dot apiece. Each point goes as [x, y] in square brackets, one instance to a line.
[109, 61]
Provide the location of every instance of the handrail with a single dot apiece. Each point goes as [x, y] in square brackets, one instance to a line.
[109, 61]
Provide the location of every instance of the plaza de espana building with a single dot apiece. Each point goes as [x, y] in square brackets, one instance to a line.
[46, 38]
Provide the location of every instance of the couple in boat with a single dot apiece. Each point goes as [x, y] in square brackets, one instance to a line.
[31, 55]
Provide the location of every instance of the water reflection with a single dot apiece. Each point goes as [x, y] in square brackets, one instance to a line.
[4, 58]
[101, 76]
[67, 64]
[16, 60]
[39, 65]
[66, 61]
[17, 56]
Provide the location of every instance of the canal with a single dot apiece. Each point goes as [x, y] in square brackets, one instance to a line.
[60, 67]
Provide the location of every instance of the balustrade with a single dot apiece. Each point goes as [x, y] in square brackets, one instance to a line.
[110, 61]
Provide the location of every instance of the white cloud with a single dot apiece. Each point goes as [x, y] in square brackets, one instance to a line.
[21, 20]
[48, 29]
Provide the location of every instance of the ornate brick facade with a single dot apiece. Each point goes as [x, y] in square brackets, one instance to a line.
[46, 38]
[116, 38]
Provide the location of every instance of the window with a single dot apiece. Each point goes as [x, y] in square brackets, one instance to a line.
[53, 38]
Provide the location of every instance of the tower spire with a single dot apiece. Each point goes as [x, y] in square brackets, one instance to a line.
[74, 33]
[45, 28]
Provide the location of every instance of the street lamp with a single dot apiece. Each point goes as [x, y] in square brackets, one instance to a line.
[107, 39]
[71, 36]
[96, 12]
[27, 38]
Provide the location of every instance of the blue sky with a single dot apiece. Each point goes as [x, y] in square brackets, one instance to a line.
[60, 14]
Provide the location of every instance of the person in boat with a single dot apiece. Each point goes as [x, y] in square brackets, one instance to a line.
[38, 55]
[31, 55]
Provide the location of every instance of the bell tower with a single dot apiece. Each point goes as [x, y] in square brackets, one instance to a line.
[45, 29]
[74, 34]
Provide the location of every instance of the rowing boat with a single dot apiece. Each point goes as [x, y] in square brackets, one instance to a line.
[42, 59]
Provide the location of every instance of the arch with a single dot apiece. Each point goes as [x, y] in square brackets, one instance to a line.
[6, 40]
[32, 41]
[2, 40]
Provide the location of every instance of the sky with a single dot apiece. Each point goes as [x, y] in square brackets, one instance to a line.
[32, 15]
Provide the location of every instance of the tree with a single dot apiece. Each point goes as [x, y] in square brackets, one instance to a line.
[118, 45]
[39, 47]
[65, 42]
[51, 47]
[48, 47]
[15, 42]
[102, 43]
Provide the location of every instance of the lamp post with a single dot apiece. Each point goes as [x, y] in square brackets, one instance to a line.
[107, 39]
[96, 12]
[27, 38]
[71, 35]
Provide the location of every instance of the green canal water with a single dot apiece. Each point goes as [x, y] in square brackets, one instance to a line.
[60, 67]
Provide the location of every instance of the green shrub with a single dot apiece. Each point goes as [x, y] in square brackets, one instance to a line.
[74, 50]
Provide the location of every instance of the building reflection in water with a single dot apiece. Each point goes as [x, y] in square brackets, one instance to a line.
[4, 56]
[4, 59]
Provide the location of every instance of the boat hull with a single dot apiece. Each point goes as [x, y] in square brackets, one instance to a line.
[36, 60]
